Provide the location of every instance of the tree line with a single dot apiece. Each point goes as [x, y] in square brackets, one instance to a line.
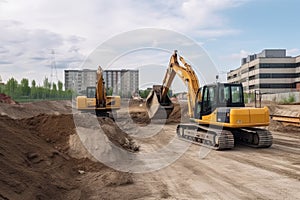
[23, 91]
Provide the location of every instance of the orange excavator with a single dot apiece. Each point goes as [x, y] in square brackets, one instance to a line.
[218, 116]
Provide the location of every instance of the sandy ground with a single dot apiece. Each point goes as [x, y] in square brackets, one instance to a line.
[42, 158]
[240, 173]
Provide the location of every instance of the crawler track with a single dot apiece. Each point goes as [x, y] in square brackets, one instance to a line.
[253, 137]
[213, 138]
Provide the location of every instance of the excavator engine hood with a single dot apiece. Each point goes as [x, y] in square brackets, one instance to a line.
[158, 108]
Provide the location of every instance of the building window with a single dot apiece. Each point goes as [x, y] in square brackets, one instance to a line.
[277, 65]
[276, 75]
[277, 85]
[251, 68]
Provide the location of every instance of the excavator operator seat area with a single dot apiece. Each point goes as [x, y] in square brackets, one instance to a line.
[91, 92]
[219, 95]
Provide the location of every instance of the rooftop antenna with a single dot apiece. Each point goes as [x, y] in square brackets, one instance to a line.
[53, 68]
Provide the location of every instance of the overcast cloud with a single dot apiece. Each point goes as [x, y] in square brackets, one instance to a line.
[32, 30]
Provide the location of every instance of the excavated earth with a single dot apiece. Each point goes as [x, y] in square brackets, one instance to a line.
[42, 157]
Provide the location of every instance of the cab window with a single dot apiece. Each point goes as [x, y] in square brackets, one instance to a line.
[236, 94]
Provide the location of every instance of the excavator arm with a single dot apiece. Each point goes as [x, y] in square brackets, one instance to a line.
[100, 90]
[158, 99]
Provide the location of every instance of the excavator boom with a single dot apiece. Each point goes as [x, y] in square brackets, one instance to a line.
[158, 103]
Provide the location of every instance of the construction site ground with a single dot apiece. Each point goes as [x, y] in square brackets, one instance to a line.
[40, 158]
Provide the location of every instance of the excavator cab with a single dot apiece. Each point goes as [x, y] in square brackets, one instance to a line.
[219, 95]
[91, 92]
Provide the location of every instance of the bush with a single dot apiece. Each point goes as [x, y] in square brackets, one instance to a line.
[290, 99]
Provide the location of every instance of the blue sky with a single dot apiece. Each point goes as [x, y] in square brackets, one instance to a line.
[227, 29]
[261, 24]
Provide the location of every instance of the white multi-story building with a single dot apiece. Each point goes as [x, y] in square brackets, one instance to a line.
[122, 82]
[270, 71]
[79, 80]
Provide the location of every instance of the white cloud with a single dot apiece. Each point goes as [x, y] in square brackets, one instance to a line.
[31, 29]
[240, 55]
[293, 52]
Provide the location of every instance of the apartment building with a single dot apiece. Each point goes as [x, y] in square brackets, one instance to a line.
[122, 82]
[79, 80]
[270, 71]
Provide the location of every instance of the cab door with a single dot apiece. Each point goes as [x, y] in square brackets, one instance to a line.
[208, 101]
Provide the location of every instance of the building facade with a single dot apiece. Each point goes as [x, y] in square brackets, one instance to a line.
[270, 71]
[79, 80]
[120, 82]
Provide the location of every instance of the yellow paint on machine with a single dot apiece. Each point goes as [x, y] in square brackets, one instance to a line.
[239, 118]
[84, 103]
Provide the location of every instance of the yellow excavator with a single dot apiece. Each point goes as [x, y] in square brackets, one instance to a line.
[218, 116]
[96, 99]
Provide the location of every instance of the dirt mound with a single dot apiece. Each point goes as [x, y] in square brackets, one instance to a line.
[35, 164]
[179, 114]
[35, 160]
[283, 127]
[54, 129]
[135, 102]
[116, 135]
[6, 99]
[138, 113]
[26, 110]
[31, 168]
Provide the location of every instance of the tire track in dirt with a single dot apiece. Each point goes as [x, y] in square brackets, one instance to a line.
[265, 159]
[233, 174]
[226, 185]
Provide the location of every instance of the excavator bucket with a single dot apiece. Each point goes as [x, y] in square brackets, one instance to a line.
[158, 108]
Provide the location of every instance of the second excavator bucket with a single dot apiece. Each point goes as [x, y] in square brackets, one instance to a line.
[157, 107]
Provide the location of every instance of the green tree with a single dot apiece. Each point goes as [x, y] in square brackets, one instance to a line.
[33, 83]
[46, 90]
[46, 83]
[33, 90]
[54, 90]
[60, 86]
[2, 88]
[109, 91]
[24, 87]
[144, 93]
[11, 87]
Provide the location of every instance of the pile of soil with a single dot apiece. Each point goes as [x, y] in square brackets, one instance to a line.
[56, 129]
[6, 99]
[35, 160]
[179, 114]
[31, 168]
[283, 127]
[26, 110]
[139, 115]
[117, 136]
